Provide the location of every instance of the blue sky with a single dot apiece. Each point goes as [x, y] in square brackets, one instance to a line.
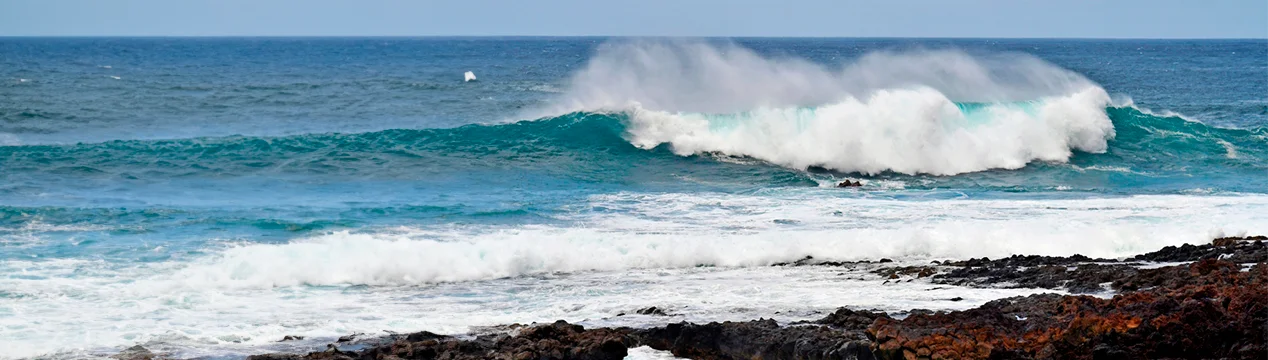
[841, 18]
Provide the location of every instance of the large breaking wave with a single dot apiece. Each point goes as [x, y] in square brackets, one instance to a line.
[941, 112]
[885, 114]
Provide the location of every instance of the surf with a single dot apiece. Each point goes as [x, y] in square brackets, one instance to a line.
[884, 136]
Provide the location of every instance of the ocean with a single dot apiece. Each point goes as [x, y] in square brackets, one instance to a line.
[204, 197]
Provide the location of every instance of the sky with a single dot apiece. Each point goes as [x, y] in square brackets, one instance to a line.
[733, 18]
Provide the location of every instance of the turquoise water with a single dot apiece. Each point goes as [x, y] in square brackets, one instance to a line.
[232, 171]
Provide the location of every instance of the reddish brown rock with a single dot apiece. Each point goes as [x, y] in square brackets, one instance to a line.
[1209, 309]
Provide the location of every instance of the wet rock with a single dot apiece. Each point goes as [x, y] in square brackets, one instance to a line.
[1235, 249]
[291, 338]
[331, 353]
[844, 318]
[559, 340]
[1234, 241]
[1083, 278]
[347, 338]
[424, 336]
[279, 357]
[1208, 309]
[808, 260]
[655, 311]
[847, 183]
[136, 352]
[1026, 261]
[759, 339]
[912, 271]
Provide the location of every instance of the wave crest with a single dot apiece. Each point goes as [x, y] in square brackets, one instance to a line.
[941, 112]
[911, 131]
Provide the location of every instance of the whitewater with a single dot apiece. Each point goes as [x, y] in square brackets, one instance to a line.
[215, 212]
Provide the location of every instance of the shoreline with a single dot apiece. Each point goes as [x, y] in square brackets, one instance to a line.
[1191, 301]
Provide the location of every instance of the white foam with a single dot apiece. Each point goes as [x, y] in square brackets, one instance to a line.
[702, 256]
[908, 131]
[1107, 168]
[647, 353]
[645, 231]
[468, 76]
[1230, 151]
[688, 76]
[78, 319]
[1126, 101]
[894, 111]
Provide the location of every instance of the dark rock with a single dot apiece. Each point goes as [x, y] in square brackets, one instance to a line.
[957, 298]
[808, 260]
[424, 336]
[1234, 241]
[559, 340]
[136, 352]
[1235, 249]
[291, 338]
[331, 353]
[886, 261]
[847, 183]
[759, 339]
[1080, 274]
[916, 271]
[1209, 309]
[655, 311]
[281, 357]
[347, 338]
[845, 318]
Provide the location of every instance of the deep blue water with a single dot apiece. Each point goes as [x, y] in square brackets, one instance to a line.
[263, 138]
[163, 150]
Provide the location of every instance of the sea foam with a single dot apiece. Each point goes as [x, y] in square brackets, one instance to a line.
[940, 112]
[648, 231]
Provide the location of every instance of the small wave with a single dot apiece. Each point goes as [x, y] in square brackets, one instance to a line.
[1230, 151]
[1105, 168]
[653, 231]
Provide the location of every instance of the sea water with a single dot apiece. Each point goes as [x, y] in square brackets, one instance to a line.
[208, 196]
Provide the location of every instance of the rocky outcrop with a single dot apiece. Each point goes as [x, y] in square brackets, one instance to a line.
[1235, 249]
[559, 340]
[1210, 309]
[759, 339]
[136, 352]
[1215, 307]
[1080, 274]
[847, 183]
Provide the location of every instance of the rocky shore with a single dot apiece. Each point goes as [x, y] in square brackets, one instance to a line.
[1191, 302]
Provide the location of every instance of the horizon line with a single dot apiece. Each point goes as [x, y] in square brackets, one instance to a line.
[640, 36]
